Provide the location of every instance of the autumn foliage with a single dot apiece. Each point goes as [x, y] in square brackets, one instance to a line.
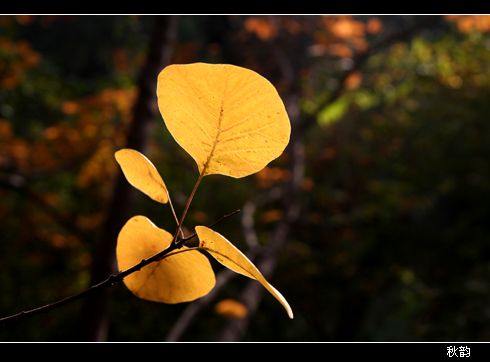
[373, 221]
[232, 122]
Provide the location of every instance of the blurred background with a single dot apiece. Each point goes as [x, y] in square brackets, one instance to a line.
[374, 223]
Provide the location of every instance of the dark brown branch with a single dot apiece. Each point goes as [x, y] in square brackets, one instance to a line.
[106, 283]
[114, 278]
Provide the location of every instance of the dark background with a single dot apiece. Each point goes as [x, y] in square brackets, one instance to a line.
[374, 224]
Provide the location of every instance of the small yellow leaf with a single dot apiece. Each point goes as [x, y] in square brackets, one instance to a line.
[231, 120]
[228, 255]
[178, 278]
[141, 173]
[230, 308]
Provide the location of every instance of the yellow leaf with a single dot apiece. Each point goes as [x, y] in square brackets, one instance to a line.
[181, 276]
[228, 255]
[229, 308]
[231, 120]
[141, 173]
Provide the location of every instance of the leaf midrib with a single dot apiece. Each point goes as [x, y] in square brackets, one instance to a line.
[206, 165]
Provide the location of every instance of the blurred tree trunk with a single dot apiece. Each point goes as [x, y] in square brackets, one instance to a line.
[94, 321]
[253, 291]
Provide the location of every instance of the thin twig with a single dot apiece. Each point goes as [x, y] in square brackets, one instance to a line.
[179, 226]
[175, 215]
[182, 241]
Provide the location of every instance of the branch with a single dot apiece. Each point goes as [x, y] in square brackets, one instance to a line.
[210, 226]
[109, 282]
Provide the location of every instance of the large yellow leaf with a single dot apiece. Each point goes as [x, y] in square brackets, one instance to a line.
[141, 173]
[231, 120]
[228, 255]
[177, 278]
